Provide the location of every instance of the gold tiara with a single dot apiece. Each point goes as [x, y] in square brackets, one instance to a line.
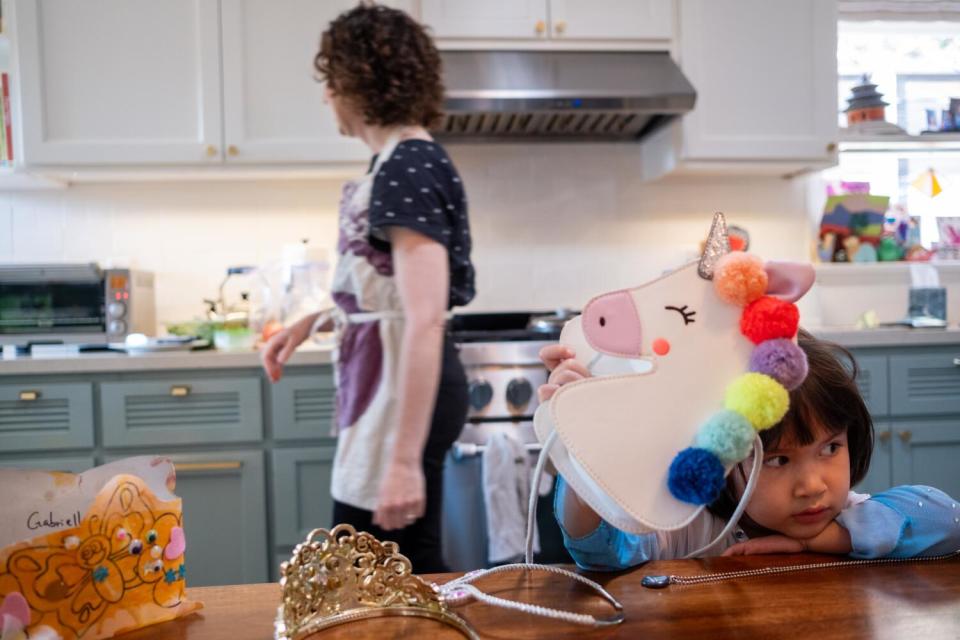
[342, 575]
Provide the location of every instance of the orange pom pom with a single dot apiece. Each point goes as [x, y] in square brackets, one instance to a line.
[768, 318]
[739, 278]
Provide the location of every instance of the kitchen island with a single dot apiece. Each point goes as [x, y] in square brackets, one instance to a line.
[902, 600]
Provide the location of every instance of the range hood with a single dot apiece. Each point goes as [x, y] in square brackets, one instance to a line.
[560, 95]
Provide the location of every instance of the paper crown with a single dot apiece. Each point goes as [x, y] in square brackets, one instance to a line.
[117, 567]
[342, 575]
[696, 362]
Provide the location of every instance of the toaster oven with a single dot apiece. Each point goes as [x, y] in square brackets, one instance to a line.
[74, 304]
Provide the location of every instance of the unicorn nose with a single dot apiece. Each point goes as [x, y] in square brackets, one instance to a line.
[611, 324]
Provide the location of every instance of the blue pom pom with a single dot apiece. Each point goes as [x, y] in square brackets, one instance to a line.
[696, 476]
[727, 434]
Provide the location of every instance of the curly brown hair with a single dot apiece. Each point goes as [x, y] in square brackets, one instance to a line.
[384, 63]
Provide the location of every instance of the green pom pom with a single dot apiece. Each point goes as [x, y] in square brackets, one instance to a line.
[759, 398]
[728, 435]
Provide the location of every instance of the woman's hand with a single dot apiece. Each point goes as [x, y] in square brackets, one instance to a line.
[278, 349]
[564, 369]
[402, 499]
[765, 545]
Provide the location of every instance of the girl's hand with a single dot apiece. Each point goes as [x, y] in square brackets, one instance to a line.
[564, 369]
[402, 498]
[765, 545]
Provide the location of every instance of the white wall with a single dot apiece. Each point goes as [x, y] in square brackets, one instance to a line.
[552, 226]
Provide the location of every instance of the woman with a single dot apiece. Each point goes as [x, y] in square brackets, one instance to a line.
[404, 261]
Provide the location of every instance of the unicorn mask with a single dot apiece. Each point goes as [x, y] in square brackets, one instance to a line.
[688, 368]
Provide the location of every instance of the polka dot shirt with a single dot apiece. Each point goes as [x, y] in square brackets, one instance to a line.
[419, 188]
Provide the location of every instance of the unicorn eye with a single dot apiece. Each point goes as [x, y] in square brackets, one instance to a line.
[684, 313]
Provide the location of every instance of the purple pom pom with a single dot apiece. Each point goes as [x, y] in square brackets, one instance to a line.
[782, 360]
[696, 476]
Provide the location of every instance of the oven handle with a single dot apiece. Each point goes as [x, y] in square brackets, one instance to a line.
[463, 450]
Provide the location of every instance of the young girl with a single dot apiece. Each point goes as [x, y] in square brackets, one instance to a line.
[802, 500]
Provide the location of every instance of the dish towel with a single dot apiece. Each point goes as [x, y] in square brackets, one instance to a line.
[507, 477]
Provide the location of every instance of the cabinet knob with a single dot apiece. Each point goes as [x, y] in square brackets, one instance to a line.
[905, 435]
[884, 437]
[29, 396]
[831, 147]
[232, 150]
[180, 390]
[540, 27]
[956, 362]
[211, 151]
[560, 26]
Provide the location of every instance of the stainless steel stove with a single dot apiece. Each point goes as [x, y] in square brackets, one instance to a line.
[500, 354]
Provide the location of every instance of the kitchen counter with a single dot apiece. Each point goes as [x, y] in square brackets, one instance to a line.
[103, 362]
[914, 599]
[887, 336]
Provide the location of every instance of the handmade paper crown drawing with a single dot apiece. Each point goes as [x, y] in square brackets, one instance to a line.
[109, 556]
[648, 451]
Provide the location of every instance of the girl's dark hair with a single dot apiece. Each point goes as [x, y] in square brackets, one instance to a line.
[384, 63]
[828, 397]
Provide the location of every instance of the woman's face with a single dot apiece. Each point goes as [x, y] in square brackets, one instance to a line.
[348, 120]
[801, 489]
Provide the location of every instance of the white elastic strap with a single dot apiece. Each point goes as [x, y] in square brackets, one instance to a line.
[534, 494]
[744, 500]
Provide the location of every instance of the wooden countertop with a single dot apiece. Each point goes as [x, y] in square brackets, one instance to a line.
[919, 600]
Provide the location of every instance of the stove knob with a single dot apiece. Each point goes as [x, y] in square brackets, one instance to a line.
[519, 392]
[481, 393]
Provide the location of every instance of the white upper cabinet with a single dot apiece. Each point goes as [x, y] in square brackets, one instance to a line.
[487, 19]
[765, 72]
[119, 81]
[273, 105]
[611, 19]
[550, 20]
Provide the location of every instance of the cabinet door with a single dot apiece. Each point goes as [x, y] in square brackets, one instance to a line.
[925, 384]
[525, 19]
[872, 382]
[273, 103]
[611, 19]
[926, 452]
[301, 493]
[302, 406]
[46, 416]
[224, 516]
[765, 72]
[117, 81]
[880, 475]
[68, 464]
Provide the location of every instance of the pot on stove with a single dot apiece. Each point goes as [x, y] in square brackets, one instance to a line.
[552, 323]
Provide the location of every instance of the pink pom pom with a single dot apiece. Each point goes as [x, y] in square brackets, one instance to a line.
[739, 278]
[768, 318]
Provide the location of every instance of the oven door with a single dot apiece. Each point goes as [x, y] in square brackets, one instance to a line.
[52, 306]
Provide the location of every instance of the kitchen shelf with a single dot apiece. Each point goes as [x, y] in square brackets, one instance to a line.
[842, 272]
[900, 143]
[19, 180]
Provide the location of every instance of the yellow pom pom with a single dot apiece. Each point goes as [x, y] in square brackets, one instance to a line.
[759, 398]
[739, 278]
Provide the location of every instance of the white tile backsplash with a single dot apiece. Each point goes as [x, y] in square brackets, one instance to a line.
[552, 225]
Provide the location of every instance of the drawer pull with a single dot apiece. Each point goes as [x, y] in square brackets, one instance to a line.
[884, 437]
[956, 362]
[29, 396]
[905, 435]
[228, 465]
[180, 390]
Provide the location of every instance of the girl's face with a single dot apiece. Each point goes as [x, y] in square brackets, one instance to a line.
[801, 489]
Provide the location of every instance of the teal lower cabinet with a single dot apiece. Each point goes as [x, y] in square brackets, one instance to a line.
[879, 476]
[68, 464]
[44, 416]
[927, 451]
[301, 492]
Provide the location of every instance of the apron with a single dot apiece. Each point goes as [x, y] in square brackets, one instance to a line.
[369, 328]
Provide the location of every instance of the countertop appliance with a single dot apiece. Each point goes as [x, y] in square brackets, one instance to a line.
[499, 352]
[508, 96]
[74, 304]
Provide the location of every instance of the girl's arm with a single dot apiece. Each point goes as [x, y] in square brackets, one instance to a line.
[903, 522]
[422, 275]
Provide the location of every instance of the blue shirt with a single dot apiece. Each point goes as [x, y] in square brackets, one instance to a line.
[902, 522]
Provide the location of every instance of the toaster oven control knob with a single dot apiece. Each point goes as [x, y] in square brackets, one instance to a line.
[519, 392]
[117, 326]
[116, 309]
[481, 393]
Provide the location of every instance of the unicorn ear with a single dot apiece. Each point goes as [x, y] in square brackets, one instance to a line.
[788, 280]
[717, 246]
